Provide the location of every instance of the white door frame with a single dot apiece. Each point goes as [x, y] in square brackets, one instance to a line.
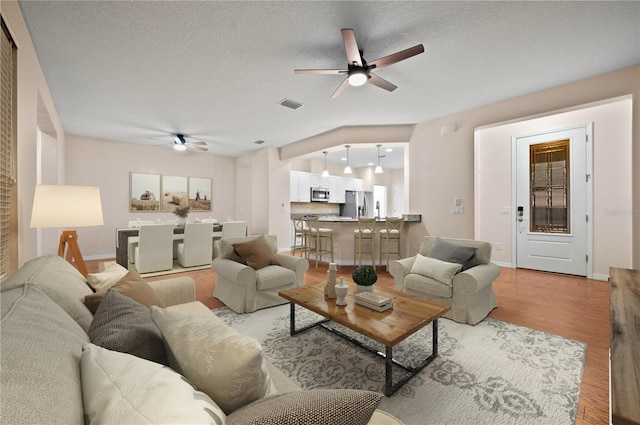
[589, 180]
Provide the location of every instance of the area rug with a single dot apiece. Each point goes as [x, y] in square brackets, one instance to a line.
[491, 373]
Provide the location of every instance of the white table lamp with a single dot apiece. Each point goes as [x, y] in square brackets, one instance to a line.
[67, 206]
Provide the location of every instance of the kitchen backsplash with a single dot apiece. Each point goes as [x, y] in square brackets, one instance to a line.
[315, 208]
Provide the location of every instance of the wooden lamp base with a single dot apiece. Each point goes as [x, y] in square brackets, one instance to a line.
[70, 238]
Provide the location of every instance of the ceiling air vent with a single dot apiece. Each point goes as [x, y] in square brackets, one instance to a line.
[291, 104]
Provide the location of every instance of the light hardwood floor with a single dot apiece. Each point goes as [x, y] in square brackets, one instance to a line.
[572, 307]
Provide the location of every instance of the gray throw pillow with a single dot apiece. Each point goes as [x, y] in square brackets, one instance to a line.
[312, 407]
[451, 252]
[124, 325]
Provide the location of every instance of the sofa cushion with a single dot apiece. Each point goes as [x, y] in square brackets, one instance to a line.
[441, 271]
[224, 364]
[133, 286]
[271, 277]
[313, 407]
[39, 358]
[483, 249]
[62, 282]
[124, 325]
[119, 388]
[257, 253]
[106, 279]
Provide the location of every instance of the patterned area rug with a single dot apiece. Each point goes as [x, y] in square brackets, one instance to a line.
[491, 373]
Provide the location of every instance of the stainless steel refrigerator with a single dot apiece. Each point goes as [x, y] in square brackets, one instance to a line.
[357, 204]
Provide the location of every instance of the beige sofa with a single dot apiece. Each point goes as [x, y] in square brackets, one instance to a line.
[244, 289]
[470, 292]
[44, 325]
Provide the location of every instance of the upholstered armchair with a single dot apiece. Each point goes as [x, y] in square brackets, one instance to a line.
[252, 280]
[465, 281]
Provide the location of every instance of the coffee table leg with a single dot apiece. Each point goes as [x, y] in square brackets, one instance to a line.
[388, 372]
[292, 322]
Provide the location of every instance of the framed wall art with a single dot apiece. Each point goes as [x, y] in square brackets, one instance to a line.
[200, 193]
[174, 192]
[144, 192]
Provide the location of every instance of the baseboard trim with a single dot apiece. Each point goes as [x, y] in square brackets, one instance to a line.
[603, 277]
[503, 264]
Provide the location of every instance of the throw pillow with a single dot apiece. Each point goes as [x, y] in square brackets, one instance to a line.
[312, 407]
[106, 279]
[229, 367]
[118, 388]
[124, 325]
[441, 271]
[257, 253]
[451, 252]
[133, 286]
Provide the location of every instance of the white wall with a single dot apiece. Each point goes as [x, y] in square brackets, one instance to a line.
[35, 107]
[107, 164]
[612, 183]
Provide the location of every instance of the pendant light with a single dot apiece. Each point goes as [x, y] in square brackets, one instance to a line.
[378, 169]
[347, 169]
[325, 173]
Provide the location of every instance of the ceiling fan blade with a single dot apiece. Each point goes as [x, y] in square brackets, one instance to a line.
[398, 56]
[159, 140]
[381, 82]
[200, 148]
[340, 88]
[198, 143]
[320, 71]
[351, 47]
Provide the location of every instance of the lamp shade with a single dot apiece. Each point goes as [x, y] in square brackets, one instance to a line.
[66, 206]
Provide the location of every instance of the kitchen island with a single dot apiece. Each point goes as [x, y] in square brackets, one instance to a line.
[343, 228]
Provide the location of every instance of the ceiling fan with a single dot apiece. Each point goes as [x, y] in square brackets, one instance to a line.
[180, 143]
[359, 70]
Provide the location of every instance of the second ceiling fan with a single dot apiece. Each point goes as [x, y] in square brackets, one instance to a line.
[358, 70]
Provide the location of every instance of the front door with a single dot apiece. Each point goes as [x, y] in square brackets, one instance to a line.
[551, 201]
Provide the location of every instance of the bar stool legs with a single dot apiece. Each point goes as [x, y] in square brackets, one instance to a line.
[319, 240]
[389, 236]
[366, 232]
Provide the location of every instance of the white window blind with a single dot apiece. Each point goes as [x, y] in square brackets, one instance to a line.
[8, 241]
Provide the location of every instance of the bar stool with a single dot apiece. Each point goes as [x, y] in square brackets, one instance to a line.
[366, 231]
[300, 232]
[391, 234]
[319, 239]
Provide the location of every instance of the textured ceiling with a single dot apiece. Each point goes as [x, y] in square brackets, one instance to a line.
[216, 71]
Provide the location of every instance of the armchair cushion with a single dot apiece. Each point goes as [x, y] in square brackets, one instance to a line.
[274, 277]
[256, 253]
[433, 268]
[451, 252]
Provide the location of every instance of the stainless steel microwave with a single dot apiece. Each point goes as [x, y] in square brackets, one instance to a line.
[319, 194]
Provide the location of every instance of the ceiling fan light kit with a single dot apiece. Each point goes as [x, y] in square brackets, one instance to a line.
[358, 70]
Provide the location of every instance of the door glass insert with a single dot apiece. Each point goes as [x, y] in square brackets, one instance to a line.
[549, 187]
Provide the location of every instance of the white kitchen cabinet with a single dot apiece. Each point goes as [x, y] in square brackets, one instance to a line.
[318, 181]
[336, 189]
[299, 186]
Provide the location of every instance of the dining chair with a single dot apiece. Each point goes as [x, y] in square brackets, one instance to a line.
[154, 252]
[197, 247]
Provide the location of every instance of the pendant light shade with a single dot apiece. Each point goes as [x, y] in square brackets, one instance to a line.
[325, 173]
[347, 169]
[378, 169]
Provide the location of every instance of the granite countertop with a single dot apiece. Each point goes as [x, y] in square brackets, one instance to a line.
[407, 218]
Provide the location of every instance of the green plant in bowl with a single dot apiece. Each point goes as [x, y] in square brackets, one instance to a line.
[364, 275]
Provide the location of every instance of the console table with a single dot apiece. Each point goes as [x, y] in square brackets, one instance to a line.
[123, 235]
[624, 300]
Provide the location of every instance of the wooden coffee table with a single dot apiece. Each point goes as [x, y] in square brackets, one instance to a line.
[408, 315]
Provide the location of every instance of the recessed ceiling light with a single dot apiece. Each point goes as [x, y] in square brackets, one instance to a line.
[388, 150]
[344, 158]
